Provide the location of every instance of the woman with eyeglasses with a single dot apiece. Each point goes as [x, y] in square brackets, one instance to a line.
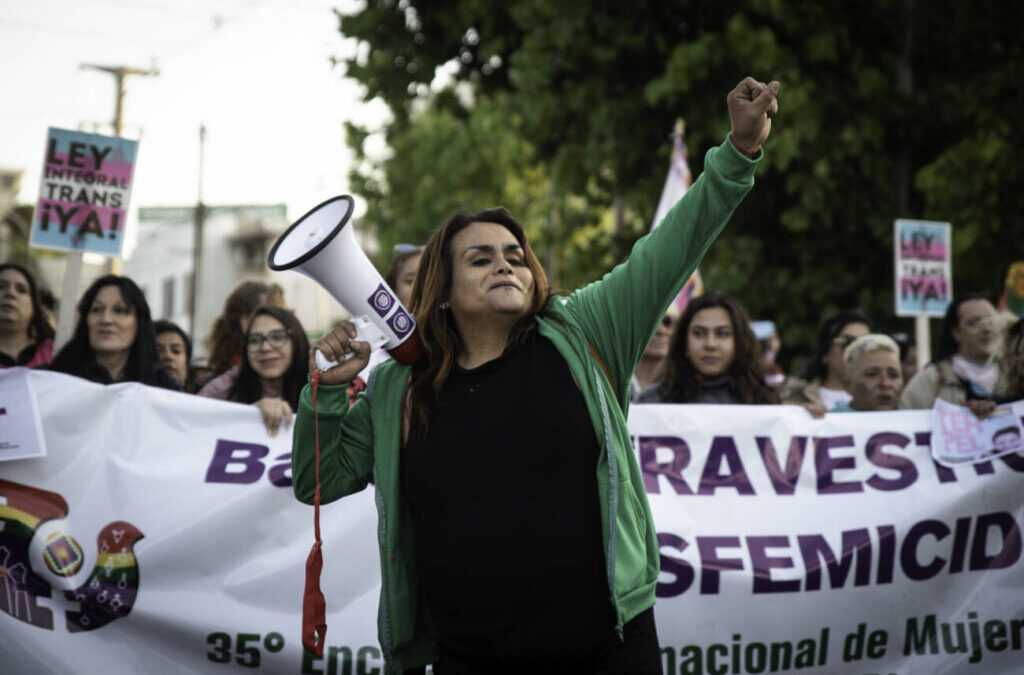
[961, 370]
[273, 368]
[224, 343]
[820, 386]
[714, 356]
[649, 375]
[1009, 363]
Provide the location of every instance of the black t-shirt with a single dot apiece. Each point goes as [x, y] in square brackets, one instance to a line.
[158, 377]
[504, 502]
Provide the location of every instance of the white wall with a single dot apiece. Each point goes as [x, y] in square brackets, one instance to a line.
[164, 255]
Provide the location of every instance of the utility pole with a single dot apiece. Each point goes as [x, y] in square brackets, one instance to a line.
[73, 267]
[905, 172]
[197, 241]
[119, 73]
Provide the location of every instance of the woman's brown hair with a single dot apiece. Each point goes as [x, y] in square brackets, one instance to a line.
[683, 382]
[391, 275]
[438, 332]
[39, 328]
[223, 342]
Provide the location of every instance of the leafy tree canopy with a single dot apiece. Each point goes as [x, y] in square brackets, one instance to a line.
[561, 111]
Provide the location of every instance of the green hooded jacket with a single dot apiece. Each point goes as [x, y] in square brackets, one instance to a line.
[617, 316]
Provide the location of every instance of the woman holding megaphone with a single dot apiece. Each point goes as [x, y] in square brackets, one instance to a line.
[515, 534]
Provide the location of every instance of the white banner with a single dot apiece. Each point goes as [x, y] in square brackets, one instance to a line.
[831, 546]
[159, 535]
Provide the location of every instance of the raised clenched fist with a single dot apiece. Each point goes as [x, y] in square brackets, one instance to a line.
[752, 105]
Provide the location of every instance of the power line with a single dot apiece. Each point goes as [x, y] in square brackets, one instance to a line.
[82, 32]
[141, 4]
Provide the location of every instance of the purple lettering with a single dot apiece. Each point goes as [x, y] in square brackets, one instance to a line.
[673, 565]
[814, 549]
[826, 464]
[672, 470]
[763, 565]
[1010, 546]
[886, 553]
[246, 455]
[711, 565]
[903, 466]
[281, 474]
[960, 533]
[984, 468]
[908, 554]
[783, 480]
[943, 473]
[723, 448]
[1014, 461]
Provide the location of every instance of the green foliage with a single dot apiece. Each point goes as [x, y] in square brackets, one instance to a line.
[443, 163]
[18, 223]
[562, 110]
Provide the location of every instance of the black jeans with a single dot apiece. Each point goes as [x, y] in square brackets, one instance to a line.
[637, 654]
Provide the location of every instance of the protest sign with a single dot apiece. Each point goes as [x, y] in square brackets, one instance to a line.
[960, 437]
[21, 430]
[160, 535]
[84, 193]
[924, 278]
[1012, 299]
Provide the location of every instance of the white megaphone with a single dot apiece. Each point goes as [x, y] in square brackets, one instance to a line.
[322, 245]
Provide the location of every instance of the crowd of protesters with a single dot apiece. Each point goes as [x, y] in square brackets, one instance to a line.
[710, 353]
[490, 329]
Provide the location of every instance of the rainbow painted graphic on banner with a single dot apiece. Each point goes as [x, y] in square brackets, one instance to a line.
[107, 594]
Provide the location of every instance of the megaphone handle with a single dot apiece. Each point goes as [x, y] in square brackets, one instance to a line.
[366, 331]
[322, 363]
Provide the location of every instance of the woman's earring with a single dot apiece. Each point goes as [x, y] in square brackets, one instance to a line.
[444, 305]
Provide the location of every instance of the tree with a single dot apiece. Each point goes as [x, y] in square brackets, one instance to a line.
[889, 109]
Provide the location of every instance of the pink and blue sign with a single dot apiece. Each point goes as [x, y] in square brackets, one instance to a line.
[924, 278]
[84, 192]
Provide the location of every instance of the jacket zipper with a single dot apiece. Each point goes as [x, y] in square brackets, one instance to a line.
[382, 542]
[613, 477]
[613, 498]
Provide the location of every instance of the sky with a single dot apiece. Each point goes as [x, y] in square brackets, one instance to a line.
[256, 73]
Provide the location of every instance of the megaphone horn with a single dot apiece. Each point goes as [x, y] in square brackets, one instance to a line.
[322, 246]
